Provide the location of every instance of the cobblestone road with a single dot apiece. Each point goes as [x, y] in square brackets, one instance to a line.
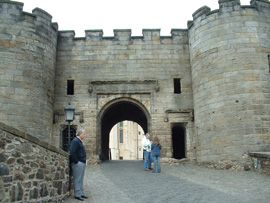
[126, 181]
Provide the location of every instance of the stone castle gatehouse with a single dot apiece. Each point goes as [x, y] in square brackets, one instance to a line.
[204, 90]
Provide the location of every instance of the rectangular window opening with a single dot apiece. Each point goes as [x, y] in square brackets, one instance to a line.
[121, 136]
[268, 63]
[70, 87]
[177, 85]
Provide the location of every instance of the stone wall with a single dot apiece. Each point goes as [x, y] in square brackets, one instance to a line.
[229, 51]
[125, 68]
[31, 170]
[27, 54]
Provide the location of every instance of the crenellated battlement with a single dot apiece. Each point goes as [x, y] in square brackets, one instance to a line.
[124, 35]
[217, 68]
[12, 12]
[229, 6]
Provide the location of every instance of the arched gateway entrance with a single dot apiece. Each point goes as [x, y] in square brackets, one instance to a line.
[114, 112]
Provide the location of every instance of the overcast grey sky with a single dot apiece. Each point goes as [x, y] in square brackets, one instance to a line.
[81, 15]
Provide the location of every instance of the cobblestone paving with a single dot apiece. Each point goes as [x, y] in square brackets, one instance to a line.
[126, 181]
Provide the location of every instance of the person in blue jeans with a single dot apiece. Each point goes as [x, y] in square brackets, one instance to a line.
[146, 144]
[156, 147]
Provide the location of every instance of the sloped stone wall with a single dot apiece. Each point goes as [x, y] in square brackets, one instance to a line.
[31, 170]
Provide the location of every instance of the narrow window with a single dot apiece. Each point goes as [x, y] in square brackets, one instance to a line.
[177, 85]
[269, 63]
[65, 138]
[121, 135]
[70, 87]
[121, 132]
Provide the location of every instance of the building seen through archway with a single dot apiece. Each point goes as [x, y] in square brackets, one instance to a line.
[125, 141]
[115, 113]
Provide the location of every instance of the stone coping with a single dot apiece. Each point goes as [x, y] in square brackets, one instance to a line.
[32, 139]
[260, 154]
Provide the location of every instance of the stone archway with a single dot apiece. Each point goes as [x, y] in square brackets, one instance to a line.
[179, 141]
[114, 112]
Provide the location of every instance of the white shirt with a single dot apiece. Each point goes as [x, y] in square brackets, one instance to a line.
[146, 144]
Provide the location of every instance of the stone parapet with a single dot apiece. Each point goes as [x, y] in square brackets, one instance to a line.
[31, 170]
[123, 35]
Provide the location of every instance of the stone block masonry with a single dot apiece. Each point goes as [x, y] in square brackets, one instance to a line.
[28, 55]
[229, 54]
[31, 170]
[219, 106]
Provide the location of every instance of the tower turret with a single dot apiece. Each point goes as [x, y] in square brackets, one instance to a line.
[27, 55]
[229, 50]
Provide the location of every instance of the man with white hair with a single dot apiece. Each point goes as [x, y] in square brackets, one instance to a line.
[146, 144]
[78, 161]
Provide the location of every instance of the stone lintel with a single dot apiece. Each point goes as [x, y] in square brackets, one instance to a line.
[260, 154]
[123, 87]
[123, 82]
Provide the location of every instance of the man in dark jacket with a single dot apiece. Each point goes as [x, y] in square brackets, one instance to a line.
[78, 162]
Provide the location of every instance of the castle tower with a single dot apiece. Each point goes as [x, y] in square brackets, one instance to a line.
[27, 54]
[229, 53]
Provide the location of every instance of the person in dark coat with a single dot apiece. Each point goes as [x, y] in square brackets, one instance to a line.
[78, 162]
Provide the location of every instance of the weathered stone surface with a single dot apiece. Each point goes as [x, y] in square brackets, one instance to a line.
[19, 176]
[2, 157]
[26, 148]
[2, 144]
[27, 184]
[16, 192]
[4, 170]
[20, 161]
[40, 174]
[16, 154]
[26, 179]
[2, 190]
[43, 190]
[31, 176]
[10, 160]
[7, 179]
[34, 193]
[222, 61]
[26, 169]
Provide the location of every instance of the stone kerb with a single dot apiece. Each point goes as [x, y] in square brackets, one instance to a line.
[31, 170]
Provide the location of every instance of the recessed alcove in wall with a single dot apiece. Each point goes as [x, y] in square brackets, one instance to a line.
[179, 141]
